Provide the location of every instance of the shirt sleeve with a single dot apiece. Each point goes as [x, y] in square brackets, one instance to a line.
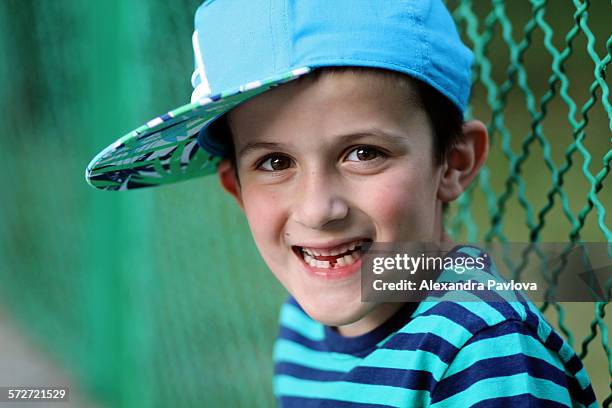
[502, 366]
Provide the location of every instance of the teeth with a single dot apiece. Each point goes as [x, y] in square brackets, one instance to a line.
[341, 261]
[323, 264]
[342, 249]
[309, 254]
[348, 259]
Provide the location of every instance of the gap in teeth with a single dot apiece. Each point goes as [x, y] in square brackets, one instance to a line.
[345, 260]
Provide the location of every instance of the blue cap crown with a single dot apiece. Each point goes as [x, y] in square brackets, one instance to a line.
[240, 41]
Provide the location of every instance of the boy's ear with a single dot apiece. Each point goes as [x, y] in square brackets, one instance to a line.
[463, 161]
[229, 181]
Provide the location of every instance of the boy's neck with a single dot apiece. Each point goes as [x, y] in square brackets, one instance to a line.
[371, 321]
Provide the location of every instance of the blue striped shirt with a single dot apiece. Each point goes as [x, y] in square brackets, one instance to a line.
[436, 353]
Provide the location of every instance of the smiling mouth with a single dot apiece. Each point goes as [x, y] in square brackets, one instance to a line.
[343, 256]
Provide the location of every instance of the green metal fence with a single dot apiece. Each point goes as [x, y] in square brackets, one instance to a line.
[551, 63]
[159, 297]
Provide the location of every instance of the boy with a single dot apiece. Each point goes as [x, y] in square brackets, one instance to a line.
[360, 140]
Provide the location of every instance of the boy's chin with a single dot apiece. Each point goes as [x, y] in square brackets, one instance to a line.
[334, 314]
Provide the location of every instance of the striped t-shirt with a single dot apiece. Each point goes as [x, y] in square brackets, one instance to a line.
[432, 353]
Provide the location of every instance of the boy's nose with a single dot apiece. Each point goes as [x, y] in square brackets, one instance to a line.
[318, 203]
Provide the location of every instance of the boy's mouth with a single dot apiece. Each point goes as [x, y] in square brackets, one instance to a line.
[338, 257]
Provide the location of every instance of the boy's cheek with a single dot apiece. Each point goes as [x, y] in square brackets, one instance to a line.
[258, 202]
[266, 217]
[402, 209]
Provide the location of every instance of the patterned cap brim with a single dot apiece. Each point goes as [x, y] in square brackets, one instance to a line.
[165, 150]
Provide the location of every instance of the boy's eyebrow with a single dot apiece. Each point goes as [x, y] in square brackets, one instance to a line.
[393, 138]
[251, 146]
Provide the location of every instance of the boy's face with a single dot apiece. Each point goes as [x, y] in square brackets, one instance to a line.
[330, 162]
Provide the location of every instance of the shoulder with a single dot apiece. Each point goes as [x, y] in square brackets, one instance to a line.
[492, 353]
[439, 330]
[499, 354]
[508, 364]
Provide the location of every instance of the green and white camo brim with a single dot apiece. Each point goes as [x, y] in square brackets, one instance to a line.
[165, 150]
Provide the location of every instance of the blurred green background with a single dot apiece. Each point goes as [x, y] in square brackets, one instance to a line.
[158, 297]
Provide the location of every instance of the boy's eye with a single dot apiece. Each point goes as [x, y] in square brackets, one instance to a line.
[275, 163]
[364, 153]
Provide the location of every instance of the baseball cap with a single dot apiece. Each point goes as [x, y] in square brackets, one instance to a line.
[245, 47]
